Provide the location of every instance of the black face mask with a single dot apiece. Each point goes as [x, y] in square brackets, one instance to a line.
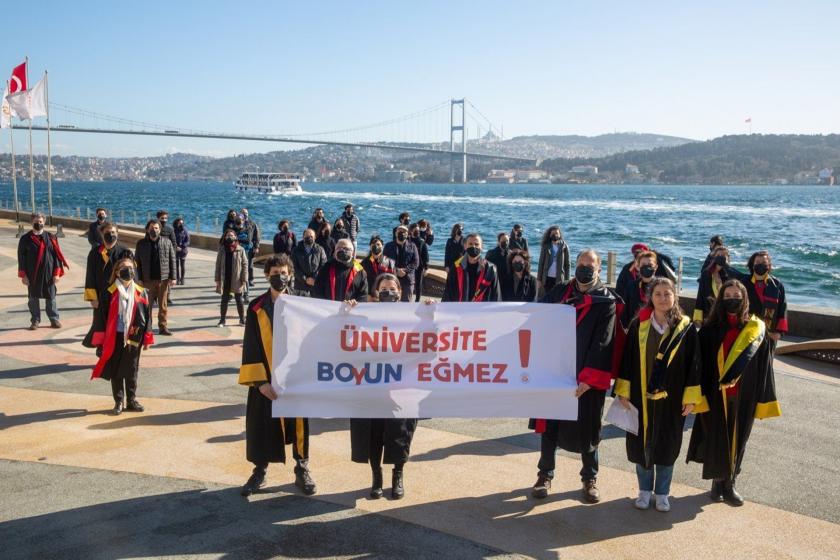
[126, 273]
[308, 241]
[153, 235]
[388, 296]
[401, 237]
[284, 229]
[178, 225]
[458, 233]
[344, 256]
[229, 240]
[37, 226]
[647, 271]
[110, 237]
[517, 233]
[101, 218]
[731, 305]
[279, 281]
[585, 274]
[231, 217]
[504, 245]
[376, 250]
[720, 260]
[473, 251]
[162, 223]
[406, 221]
[518, 266]
[761, 269]
[555, 238]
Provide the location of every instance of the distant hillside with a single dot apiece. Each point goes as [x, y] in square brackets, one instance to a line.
[573, 146]
[756, 158]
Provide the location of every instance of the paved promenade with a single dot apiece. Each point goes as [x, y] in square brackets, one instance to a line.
[77, 482]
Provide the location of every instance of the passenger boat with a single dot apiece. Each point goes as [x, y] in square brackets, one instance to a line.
[269, 183]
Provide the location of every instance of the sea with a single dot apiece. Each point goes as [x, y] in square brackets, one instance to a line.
[799, 225]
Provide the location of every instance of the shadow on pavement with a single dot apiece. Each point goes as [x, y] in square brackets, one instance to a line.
[44, 369]
[45, 416]
[218, 413]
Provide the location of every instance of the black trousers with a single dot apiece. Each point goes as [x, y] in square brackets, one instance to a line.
[548, 449]
[180, 269]
[377, 444]
[419, 276]
[251, 254]
[240, 306]
[126, 357]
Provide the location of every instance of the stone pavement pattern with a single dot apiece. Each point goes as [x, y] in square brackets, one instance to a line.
[78, 482]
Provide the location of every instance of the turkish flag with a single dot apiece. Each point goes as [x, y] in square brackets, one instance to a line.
[18, 81]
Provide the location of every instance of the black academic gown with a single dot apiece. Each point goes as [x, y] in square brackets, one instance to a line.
[596, 327]
[659, 390]
[635, 297]
[266, 437]
[526, 290]
[114, 362]
[100, 266]
[718, 440]
[397, 434]
[374, 267]
[40, 261]
[767, 299]
[337, 282]
[706, 294]
[458, 282]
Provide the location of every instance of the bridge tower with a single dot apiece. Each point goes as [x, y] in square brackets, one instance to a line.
[455, 128]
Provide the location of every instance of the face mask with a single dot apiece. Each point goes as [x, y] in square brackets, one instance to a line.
[308, 241]
[110, 237]
[585, 274]
[229, 240]
[473, 251]
[126, 273]
[178, 225]
[406, 221]
[731, 305]
[153, 234]
[284, 229]
[423, 229]
[720, 260]
[517, 233]
[279, 281]
[101, 218]
[339, 228]
[647, 271]
[458, 233]
[761, 269]
[518, 266]
[344, 256]
[401, 237]
[37, 226]
[231, 217]
[555, 238]
[162, 222]
[376, 249]
[504, 245]
[388, 296]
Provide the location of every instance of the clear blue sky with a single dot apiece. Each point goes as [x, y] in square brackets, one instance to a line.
[693, 69]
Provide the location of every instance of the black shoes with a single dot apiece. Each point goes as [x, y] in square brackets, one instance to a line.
[55, 324]
[397, 489]
[541, 487]
[376, 485]
[303, 480]
[164, 332]
[241, 322]
[590, 491]
[255, 482]
[135, 406]
[730, 495]
[716, 493]
[33, 326]
[118, 408]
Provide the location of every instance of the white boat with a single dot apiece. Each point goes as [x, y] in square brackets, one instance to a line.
[269, 183]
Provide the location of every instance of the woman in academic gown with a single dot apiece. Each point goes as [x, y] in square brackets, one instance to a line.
[384, 439]
[660, 376]
[738, 387]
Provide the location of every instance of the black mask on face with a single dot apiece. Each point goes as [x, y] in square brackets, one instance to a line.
[405, 221]
[37, 226]
[126, 273]
[153, 234]
[230, 240]
[731, 305]
[344, 256]
[376, 250]
[517, 233]
[401, 237]
[504, 245]
[279, 281]
[110, 237]
[162, 222]
[647, 271]
[518, 266]
[458, 232]
[585, 274]
[388, 296]
[178, 225]
[101, 217]
[761, 269]
[720, 260]
[308, 241]
[473, 251]
[555, 237]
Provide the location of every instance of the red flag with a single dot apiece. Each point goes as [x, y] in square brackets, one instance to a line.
[18, 81]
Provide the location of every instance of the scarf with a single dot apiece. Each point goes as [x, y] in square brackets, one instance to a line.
[126, 306]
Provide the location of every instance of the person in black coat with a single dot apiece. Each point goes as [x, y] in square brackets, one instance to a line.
[284, 240]
[414, 234]
[325, 239]
[155, 257]
[266, 437]
[519, 285]
[41, 265]
[308, 258]
[498, 255]
[94, 236]
[454, 247]
[387, 440]
[376, 262]
[317, 222]
[518, 239]
[426, 233]
[472, 278]
[122, 329]
[406, 258]
[343, 278]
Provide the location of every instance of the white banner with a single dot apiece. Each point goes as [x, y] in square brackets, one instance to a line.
[407, 360]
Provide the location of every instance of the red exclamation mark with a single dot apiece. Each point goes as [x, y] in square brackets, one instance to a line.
[524, 347]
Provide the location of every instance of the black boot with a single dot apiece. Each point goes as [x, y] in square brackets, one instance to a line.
[717, 491]
[732, 497]
[118, 408]
[376, 485]
[255, 482]
[541, 487]
[303, 479]
[397, 489]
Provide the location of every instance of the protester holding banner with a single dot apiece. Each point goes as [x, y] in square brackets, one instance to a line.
[372, 438]
[266, 437]
[596, 317]
[123, 327]
[519, 285]
[472, 278]
[660, 376]
[343, 278]
[738, 387]
[376, 262]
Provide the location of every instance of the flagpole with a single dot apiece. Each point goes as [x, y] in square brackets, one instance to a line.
[31, 164]
[49, 150]
[14, 173]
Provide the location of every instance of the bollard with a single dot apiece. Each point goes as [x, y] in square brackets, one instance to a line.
[87, 213]
[679, 275]
[611, 256]
[135, 218]
[148, 216]
[59, 231]
[19, 231]
[78, 213]
[122, 216]
[216, 223]
[197, 224]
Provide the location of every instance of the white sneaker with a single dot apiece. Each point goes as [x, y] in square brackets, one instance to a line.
[662, 503]
[643, 501]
